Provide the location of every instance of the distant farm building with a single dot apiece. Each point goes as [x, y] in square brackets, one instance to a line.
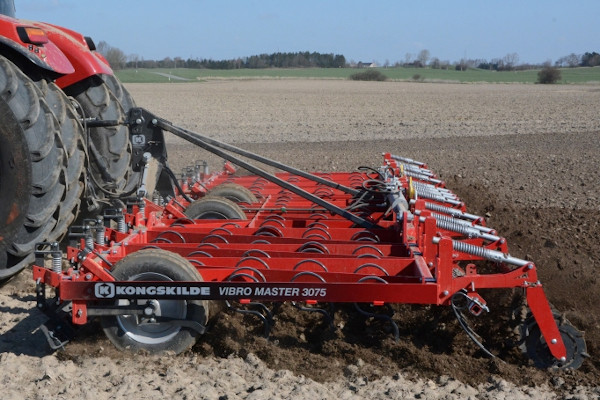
[366, 65]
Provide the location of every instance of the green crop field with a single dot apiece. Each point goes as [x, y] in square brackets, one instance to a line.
[177, 75]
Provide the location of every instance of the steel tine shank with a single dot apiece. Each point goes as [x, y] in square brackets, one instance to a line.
[207, 145]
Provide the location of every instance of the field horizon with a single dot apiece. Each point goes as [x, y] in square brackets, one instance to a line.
[580, 75]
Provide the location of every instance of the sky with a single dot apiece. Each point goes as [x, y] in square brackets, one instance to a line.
[368, 30]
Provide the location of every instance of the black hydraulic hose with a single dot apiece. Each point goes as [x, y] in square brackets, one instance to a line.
[171, 174]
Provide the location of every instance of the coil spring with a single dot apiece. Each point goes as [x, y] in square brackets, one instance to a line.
[121, 225]
[475, 250]
[458, 228]
[100, 233]
[89, 241]
[57, 262]
[461, 222]
[443, 209]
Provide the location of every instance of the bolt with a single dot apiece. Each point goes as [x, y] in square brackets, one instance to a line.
[138, 121]
[79, 313]
[563, 359]
[430, 264]
[154, 121]
[445, 293]
[148, 311]
[88, 277]
[554, 341]
[40, 305]
[529, 266]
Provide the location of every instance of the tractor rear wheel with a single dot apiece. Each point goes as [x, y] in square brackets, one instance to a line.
[109, 147]
[15, 184]
[43, 184]
[160, 331]
[127, 102]
[72, 136]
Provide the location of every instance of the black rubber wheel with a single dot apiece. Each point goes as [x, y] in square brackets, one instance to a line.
[109, 148]
[48, 165]
[537, 347]
[15, 184]
[234, 192]
[214, 208]
[72, 136]
[134, 333]
[127, 102]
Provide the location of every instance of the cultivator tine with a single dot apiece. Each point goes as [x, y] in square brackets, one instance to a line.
[381, 317]
[328, 315]
[262, 313]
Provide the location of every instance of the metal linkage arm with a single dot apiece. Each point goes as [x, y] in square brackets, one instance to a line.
[184, 134]
[213, 147]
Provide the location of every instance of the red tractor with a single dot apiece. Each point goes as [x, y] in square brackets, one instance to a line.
[52, 80]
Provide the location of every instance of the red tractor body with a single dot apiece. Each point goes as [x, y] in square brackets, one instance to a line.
[52, 48]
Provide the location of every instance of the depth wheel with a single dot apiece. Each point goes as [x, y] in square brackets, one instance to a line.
[214, 208]
[537, 347]
[134, 332]
[234, 192]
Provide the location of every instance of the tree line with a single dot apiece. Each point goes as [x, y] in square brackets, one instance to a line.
[510, 62]
[303, 59]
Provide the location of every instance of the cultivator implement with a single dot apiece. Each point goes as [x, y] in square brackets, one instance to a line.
[394, 234]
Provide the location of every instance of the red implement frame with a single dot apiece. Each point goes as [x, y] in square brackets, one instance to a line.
[422, 248]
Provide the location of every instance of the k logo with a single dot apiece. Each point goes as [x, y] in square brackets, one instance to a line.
[104, 290]
[138, 140]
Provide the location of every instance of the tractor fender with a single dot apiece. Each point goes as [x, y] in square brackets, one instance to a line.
[47, 56]
[74, 45]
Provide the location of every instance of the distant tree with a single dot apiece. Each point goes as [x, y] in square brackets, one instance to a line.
[115, 57]
[423, 57]
[510, 61]
[590, 59]
[461, 65]
[132, 61]
[549, 75]
[573, 60]
[102, 47]
[435, 63]
[407, 58]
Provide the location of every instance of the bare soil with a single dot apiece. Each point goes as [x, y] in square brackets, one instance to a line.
[526, 156]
